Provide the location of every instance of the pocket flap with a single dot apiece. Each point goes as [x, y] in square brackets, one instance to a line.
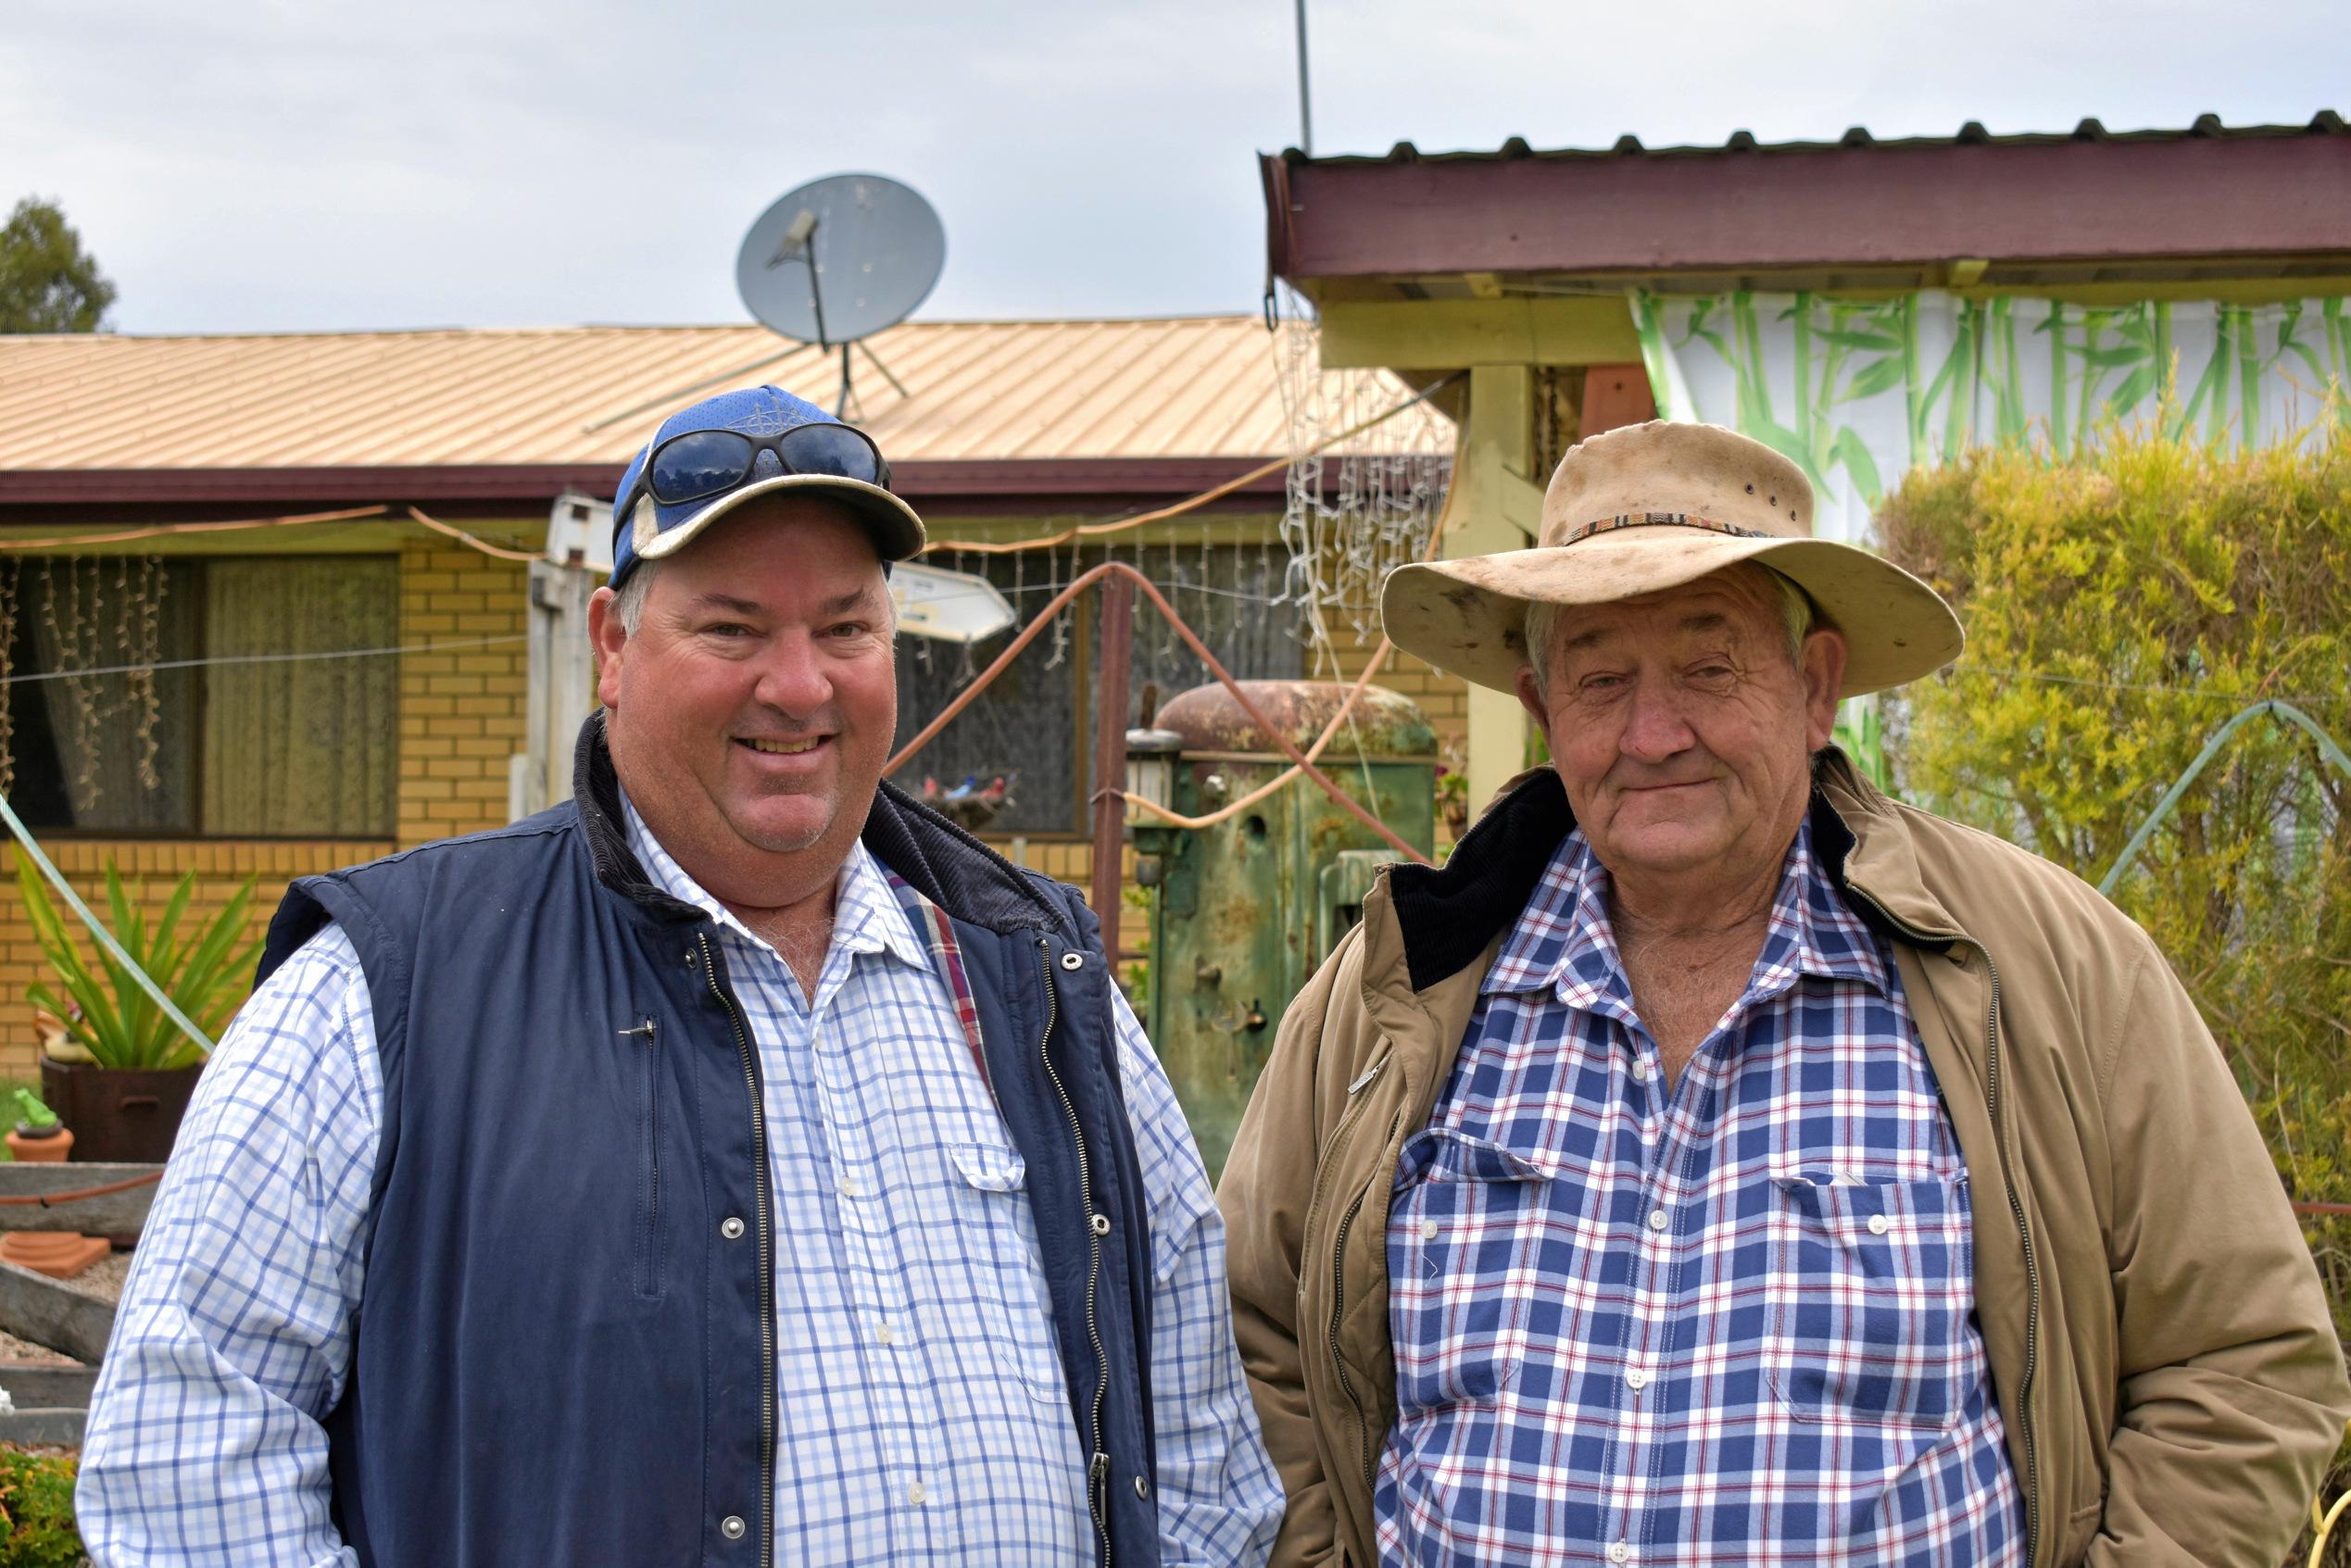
[991, 1167]
[1439, 1154]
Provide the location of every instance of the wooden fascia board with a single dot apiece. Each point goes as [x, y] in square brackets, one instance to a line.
[1431, 334]
[1055, 483]
[2074, 201]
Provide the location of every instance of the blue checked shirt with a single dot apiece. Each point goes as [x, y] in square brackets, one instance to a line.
[1729, 1322]
[926, 1417]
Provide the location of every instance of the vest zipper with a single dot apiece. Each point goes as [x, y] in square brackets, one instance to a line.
[2015, 1208]
[766, 1238]
[1097, 1464]
[651, 1280]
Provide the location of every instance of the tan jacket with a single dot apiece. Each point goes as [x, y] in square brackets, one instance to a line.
[2160, 1346]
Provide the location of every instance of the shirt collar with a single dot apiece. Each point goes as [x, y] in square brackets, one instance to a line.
[1563, 941]
[867, 916]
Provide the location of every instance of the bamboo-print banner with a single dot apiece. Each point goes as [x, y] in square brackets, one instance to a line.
[1860, 392]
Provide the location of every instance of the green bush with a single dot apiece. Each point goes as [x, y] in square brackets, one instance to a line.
[36, 1509]
[2120, 607]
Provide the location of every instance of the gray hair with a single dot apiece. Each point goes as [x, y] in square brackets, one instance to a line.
[628, 599]
[1798, 616]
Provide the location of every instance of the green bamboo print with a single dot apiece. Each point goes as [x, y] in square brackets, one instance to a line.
[2248, 378]
[2054, 325]
[1649, 320]
[1916, 399]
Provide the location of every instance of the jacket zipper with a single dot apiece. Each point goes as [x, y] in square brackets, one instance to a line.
[2015, 1208]
[1339, 1282]
[1098, 1464]
[766, 1240]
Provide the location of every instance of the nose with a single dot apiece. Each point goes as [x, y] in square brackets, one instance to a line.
[792, 677]
[1655, 730]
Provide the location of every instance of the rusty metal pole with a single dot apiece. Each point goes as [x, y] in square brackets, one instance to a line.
[1110, 754]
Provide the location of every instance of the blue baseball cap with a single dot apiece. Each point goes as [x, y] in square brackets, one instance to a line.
[709, 460]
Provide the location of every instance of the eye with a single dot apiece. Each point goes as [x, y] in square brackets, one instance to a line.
[846, 629]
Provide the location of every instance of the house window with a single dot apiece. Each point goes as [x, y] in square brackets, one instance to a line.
[1034, 725]
[253, 735]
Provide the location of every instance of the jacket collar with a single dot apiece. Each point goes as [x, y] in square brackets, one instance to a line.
[941, 861]
[1449, 916]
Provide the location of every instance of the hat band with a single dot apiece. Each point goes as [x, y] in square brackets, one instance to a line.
[1662, 520]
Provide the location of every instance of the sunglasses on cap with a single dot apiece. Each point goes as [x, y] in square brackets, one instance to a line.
[698, 464]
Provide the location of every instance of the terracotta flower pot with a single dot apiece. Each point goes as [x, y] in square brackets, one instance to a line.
[58, 1254]
[118, 1114]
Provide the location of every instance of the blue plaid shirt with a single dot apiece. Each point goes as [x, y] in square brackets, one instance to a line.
[926, 1412]
[1731, 1322]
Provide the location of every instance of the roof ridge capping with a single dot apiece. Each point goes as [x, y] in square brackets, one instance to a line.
[2325, 122]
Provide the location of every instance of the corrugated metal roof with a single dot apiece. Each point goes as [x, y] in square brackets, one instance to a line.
[1197, 387]
[2326, 122]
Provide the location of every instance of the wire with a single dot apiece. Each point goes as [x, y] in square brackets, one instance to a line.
[1200, 650]
[160, 529]
[463, 537]
[1263, 470]
[259, 659]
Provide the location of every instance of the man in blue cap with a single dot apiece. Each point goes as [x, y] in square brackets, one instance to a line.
[736, 1165]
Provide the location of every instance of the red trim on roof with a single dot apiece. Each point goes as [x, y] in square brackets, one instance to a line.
[2186, 198]
[1063, 481]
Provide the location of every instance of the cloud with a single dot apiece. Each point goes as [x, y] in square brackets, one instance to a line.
[272, 166]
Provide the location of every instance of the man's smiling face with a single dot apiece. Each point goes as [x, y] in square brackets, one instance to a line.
[750, 711]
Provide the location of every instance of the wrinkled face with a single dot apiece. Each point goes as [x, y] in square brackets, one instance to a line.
[752, 708]
[1683, 728]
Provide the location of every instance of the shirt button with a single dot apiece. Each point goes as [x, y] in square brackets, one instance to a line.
[732, 1527]
[1620, 1552]
[849, 1188]
[1878, 1224]
[730, 1228]
[1640, 1070]
[1658, 1220]
[887, 1336]
[1636, 1380]
[1428, 1230]
[915, 1493]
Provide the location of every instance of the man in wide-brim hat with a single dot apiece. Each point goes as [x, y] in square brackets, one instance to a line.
[1716, 1160]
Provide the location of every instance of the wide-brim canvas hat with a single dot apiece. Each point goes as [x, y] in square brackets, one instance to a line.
[645, 528]
[1652, 506]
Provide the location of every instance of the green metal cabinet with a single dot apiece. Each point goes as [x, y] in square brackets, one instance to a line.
[1244, 910]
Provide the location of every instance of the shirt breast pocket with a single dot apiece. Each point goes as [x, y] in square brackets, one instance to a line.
[1465, 1236]
[1872, 1287]
[999, 1235]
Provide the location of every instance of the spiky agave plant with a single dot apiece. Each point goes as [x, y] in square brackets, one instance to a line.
[106, 1009]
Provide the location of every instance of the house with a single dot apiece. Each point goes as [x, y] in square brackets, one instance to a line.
[263, 598]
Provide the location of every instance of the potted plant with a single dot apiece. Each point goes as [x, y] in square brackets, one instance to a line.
[125, 1102]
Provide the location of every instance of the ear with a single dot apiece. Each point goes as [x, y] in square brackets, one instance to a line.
[610, 641]
[1822, 665]
[1532, 701]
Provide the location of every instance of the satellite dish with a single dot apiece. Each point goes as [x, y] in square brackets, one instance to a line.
[840, 258]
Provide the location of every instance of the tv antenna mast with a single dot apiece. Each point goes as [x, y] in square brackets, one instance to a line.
[839, 260]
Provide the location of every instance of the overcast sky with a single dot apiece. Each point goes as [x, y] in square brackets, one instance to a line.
[239, 165]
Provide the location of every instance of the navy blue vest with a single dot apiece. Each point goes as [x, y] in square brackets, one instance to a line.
[561, 1358]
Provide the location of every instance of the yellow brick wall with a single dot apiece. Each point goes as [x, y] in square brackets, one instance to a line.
[461, 711]
[150, 871]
